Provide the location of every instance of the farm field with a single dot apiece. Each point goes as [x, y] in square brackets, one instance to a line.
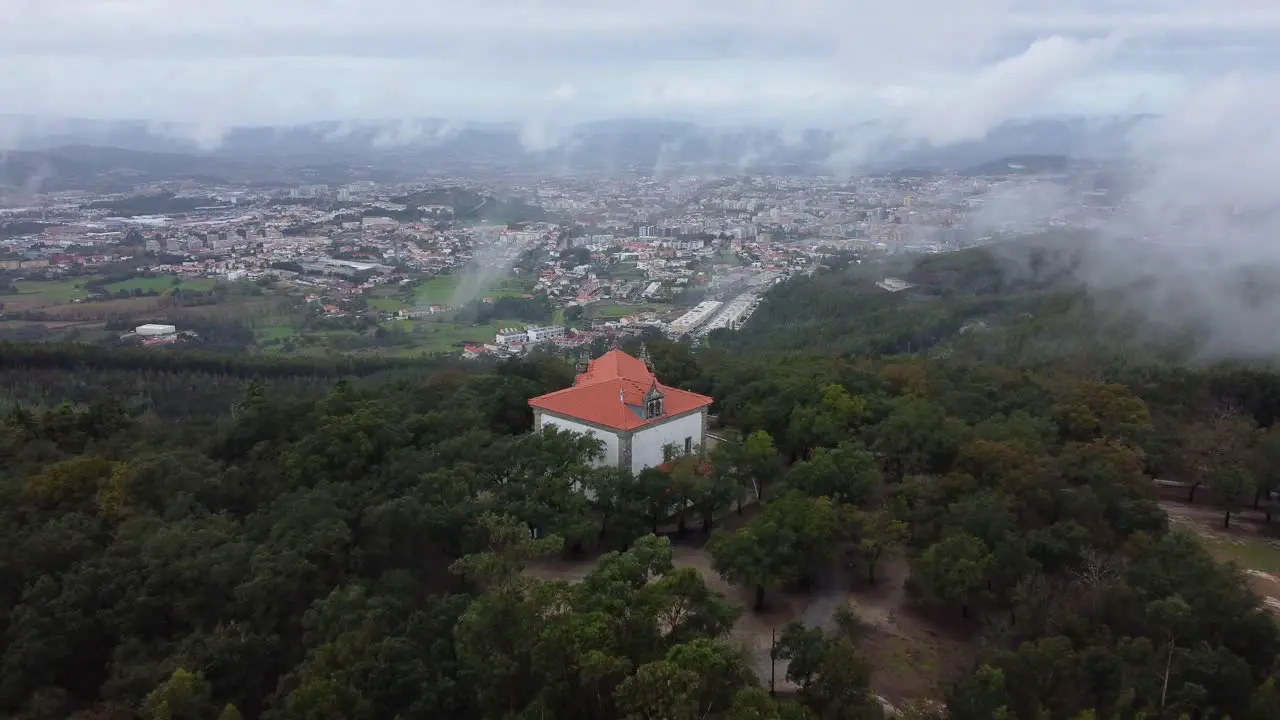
[37, 293]
[432, 336]
[160, 283]
[41, 294]
[443, 290]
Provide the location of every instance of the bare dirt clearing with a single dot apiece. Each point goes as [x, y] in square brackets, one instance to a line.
[1249, 543]
[912, 656]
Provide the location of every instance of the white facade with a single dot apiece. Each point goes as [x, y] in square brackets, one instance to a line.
[510, 335]
[647, 442]
[542, 334]
[612, 443]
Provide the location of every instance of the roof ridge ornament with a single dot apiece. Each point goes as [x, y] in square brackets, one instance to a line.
[644, 357]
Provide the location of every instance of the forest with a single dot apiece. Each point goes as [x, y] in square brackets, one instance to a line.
[189, 535]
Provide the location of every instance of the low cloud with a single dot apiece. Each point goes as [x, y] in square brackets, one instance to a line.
[1193, 244]
[203, 136]
[1006, 89]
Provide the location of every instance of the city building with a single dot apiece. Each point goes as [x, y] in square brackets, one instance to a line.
[507, 336]
[544, 333]
[619, 401]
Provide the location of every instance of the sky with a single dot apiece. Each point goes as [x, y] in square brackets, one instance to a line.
[946, 69]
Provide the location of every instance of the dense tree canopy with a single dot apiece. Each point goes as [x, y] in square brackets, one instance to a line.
[192, 536]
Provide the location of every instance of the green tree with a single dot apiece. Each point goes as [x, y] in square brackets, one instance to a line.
[760, 461]
[877, 533]
[614, 495]
[1232, 487]
[184, 696]
[790, 539]
[833, 677]
[954, 572]
[827, 423]
[847, 474]
[916, 437]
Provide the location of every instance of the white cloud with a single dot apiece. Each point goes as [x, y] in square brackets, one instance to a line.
[223, 62]
[1007, 88]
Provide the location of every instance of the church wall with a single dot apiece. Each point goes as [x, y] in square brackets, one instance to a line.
[610, 439]
[647, 442]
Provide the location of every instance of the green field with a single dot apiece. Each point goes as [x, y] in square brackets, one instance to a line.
[443, 289]
[161, 283]
[271, 333]
[385, 304]
[52, 290]
[443, 336]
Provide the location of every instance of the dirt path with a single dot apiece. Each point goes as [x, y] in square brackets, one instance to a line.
[912, 657]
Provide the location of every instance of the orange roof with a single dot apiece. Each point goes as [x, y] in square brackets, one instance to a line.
[611, 393]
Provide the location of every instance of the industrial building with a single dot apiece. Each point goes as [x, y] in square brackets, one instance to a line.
[691, 320]
[152, 330]
[733, 315]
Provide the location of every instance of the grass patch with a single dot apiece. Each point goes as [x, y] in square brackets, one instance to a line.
[160, 283]
[1244, 548]
[443, 289]
[274, 333]
[446, 336]
[51, 291]
[385, 304]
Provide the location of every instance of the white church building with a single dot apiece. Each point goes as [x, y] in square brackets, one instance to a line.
[619, 401]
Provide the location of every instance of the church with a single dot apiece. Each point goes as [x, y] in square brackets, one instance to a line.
[618, 400]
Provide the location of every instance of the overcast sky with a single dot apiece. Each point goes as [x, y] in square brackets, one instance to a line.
[948, 67]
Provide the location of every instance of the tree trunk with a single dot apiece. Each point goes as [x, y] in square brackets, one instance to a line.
[1164, 685]
[871, 571]
[759, 598]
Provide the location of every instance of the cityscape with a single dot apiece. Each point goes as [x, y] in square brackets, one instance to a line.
[473, 270]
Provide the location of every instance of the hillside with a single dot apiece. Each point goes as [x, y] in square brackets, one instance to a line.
[205, 536]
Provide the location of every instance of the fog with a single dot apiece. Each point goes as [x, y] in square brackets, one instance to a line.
[1193, 243]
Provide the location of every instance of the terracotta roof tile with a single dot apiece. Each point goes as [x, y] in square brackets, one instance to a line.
[611, 393]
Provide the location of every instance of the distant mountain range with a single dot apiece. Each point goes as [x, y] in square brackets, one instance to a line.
[56, 153]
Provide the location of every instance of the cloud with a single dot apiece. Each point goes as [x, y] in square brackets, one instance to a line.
[204, 136]
[1006, 89]
[1193, 243]
[231, 62]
